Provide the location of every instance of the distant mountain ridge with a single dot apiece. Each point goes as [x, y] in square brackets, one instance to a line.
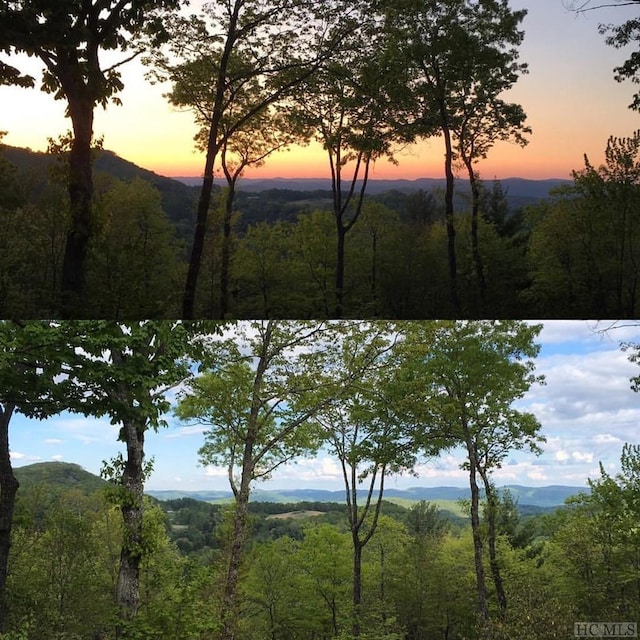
[258, 198]
[69, 475]
[520, 188]
[550, 496]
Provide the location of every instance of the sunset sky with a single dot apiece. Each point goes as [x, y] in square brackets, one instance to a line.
[586, 409]
[571, 98]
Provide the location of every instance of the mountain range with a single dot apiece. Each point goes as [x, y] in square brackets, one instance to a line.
[546, 497]
[69, 475]
[519, 191]
[179, 195]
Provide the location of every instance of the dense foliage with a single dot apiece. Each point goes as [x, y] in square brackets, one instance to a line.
[573, 254]
[418, 569]
[377, 397]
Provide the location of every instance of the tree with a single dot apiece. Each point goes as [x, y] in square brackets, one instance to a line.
[61, 578]
[276, 45]
[261, 274]
[273, 590]
[350, 107]
[324, 558]
[365, 433]
[134, 260]
[585, 251]
[469, 374]
[460, 56]
[596, 547]
[30, 360]
[241, 145]
[257, 397]
[69, 37]
[619, 36]
[124, 372]
[484, 117]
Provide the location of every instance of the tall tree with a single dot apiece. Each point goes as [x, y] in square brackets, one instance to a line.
[69, 38]
[124, 371]
[241, 146]
[277, 44]
[458, 56]
[350, 106]
[365, 431]
[485, 118]
[257, 398]
[469, 375]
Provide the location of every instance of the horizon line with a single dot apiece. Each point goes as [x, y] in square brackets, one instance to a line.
[328, 178]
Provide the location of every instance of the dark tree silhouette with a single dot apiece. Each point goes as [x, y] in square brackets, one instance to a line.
[68, 37]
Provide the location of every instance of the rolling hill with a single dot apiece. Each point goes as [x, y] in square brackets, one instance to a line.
[178, 199]
[60, 475]
[66, 475]
[260, 199]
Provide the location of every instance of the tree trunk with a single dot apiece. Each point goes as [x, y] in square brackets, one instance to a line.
[342, 232]
[226, 250]
[213, 147]
[475, 251]
[200, 232]
[475, 528]
[492, 505]
[448, 210]
[357, 584]
[80, 202]
[374, 272]
[8, 489]
[229, 613]
[128, 587]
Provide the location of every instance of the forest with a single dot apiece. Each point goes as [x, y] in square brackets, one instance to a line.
[82, 558]
[364, 80]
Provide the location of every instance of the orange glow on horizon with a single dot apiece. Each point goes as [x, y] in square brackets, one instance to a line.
[425, 160]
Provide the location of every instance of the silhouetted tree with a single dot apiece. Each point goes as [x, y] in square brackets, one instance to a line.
[69, 37]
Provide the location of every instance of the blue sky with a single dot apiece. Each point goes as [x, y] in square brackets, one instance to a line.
[587, 412]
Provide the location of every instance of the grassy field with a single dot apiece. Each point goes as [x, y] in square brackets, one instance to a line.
[294, 515]
[451, 506]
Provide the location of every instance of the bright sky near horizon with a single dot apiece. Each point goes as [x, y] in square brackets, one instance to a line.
[586, 408]
[571, 98]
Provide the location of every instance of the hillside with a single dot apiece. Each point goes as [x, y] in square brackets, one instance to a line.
[68, 475]
[263, 199]
[60, 475]
[178, 199]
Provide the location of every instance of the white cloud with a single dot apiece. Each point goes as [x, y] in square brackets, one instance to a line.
[560, 331]
[24, 457]
[53, 441]
[561, 456]
[215, 472]
[537, 475]
[183, 432]
[57, 457]
[320, 469]
[582, 457]
[606, 438]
